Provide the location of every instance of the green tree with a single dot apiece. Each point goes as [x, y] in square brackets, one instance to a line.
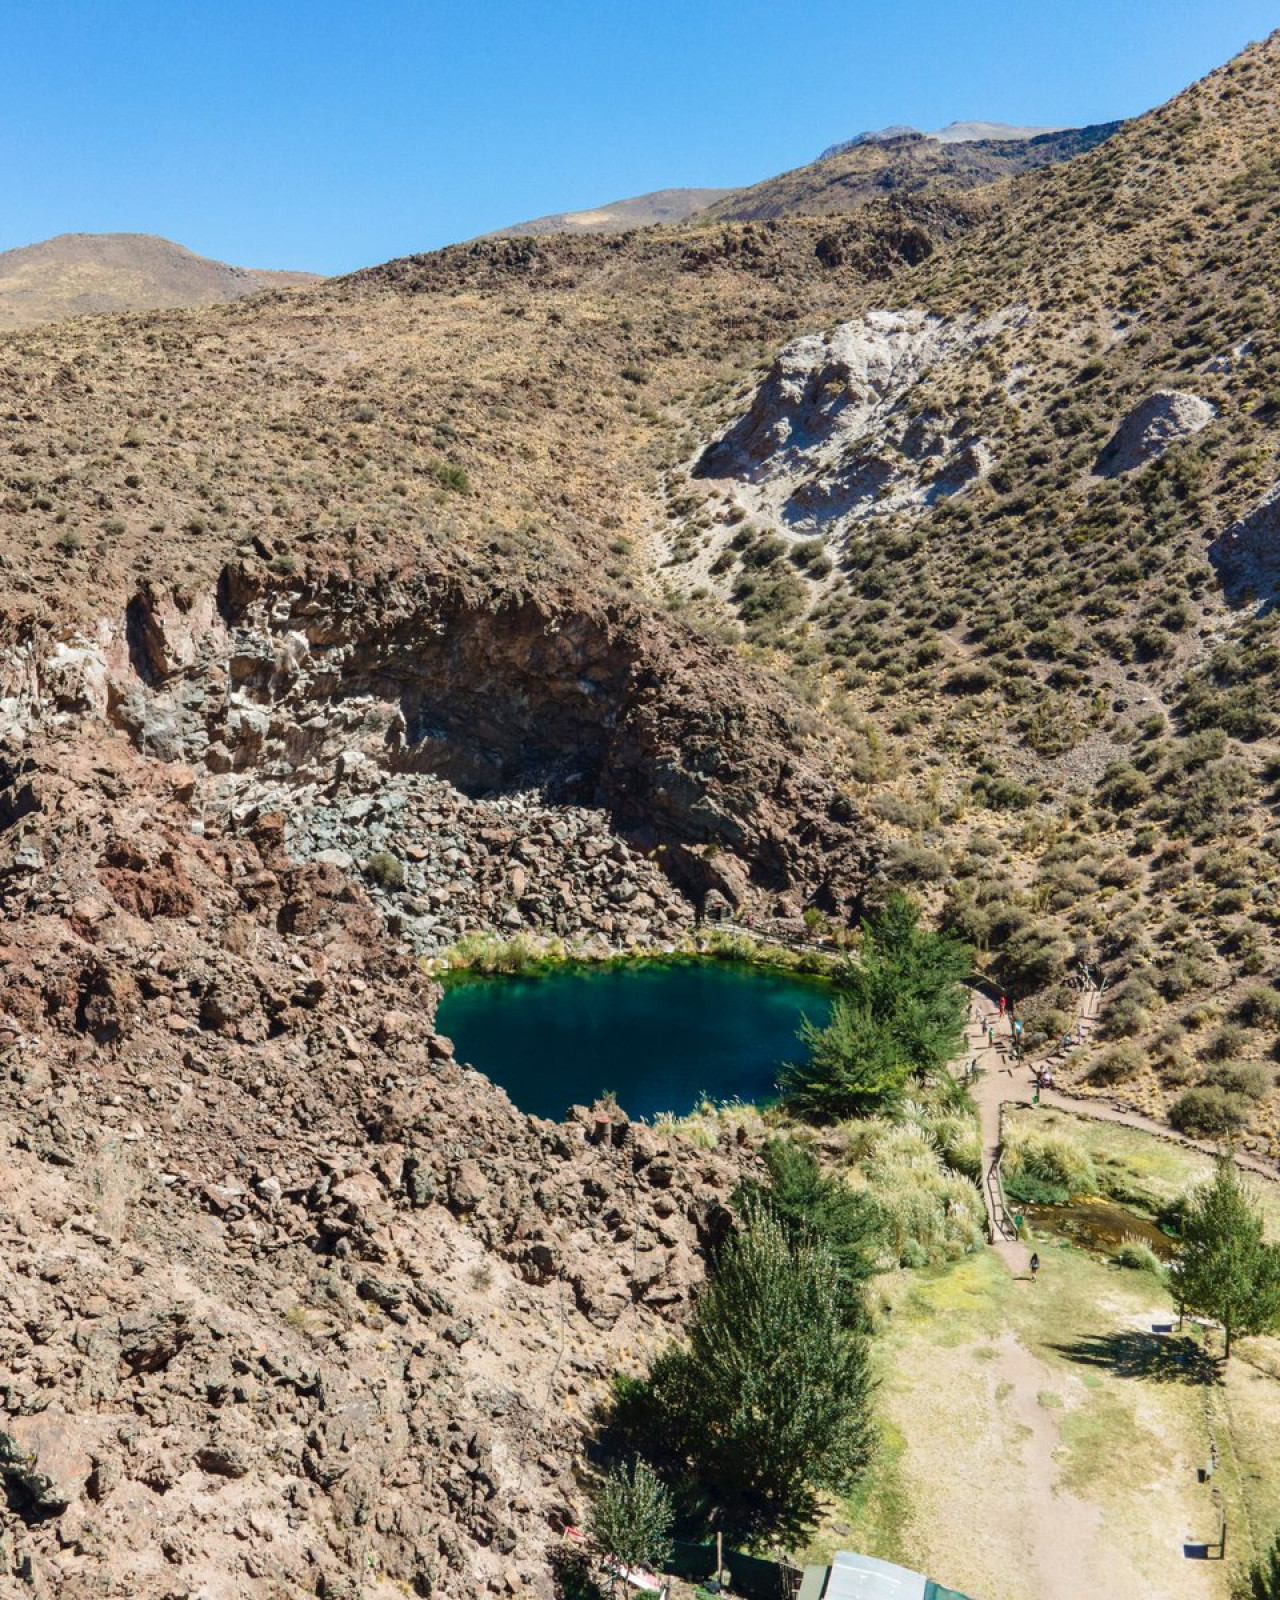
[1262, 1581]
[901, 1011]
[770, 1401]
[629, 1522]
[818, 1206]
[1223, 1268]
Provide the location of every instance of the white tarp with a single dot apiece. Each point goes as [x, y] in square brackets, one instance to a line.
[855, 1577]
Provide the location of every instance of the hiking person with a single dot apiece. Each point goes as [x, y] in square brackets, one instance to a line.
[1035, 1266]
[1003, 1003]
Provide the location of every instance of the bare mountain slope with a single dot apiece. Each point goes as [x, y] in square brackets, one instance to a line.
[663, 206]
[962, 156]
[88, 274]
[1014, 520]
[907, 164]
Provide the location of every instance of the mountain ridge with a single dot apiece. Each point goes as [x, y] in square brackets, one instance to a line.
[956, 158]
[541, 589]
[97, 274]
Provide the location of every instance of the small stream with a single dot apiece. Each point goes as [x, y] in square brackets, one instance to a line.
[1101, 1226]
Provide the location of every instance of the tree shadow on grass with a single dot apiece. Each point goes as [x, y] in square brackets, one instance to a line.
[1159, 1358]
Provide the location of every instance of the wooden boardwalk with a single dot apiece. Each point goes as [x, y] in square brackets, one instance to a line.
[990, 1049]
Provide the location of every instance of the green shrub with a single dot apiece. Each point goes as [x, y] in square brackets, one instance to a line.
[1116, 1065]
[914, 863]
[1054, 1162]
[454, 479]
[1128, 1010]
[973, 678]
[1225, 1044]
[1258, 1008]
[385, 870]
[1248, 1078]
[1207, 1112]
[766, 552]
[1035, 956]
[630, 1518]
[810, 551]
[1139, 1256]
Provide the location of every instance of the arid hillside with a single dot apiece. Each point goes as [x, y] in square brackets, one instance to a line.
[1013, 520]
[90, 274]
[663, 206]
[548, 586]
[843, 178]
[909, 164]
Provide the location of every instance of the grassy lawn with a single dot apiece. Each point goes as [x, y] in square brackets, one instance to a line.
[1137, 1169]
[1042, 1442]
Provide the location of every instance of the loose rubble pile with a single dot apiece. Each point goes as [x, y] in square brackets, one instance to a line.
[440, 865]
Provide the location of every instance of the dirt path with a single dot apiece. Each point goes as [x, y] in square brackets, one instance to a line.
[1006, 1081]
[1057, 1532]
[1103, 1111]
[1033, 1474]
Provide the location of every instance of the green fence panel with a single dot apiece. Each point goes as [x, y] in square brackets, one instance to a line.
[751, 1576]
[692, 1561]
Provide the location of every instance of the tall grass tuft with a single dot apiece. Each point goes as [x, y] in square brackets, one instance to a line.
[927, 1213]
[1047, 1167]
[526, 952]
[1138, 1255]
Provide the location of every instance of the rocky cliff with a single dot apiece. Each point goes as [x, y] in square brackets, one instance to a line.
[291, 1300]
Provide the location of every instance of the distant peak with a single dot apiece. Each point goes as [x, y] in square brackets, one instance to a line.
[953, 133]
[971, 132]
[899, 130]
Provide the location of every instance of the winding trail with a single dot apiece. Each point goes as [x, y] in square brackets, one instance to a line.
[1006, 1081]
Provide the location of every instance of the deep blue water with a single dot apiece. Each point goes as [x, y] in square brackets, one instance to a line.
[660, 1034]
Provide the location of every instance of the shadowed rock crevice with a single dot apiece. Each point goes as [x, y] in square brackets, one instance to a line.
[660, 729]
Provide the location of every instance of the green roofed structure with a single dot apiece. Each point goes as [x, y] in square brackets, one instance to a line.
[855, 1577]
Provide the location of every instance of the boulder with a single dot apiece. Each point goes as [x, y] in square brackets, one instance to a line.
[1247, 555]
[43, 1463]
[1154, 424]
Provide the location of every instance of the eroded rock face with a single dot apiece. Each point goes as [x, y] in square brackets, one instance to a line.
[291, 687]
[290, 1298]
[1247, 555]
[1151, 428]
[833, 438]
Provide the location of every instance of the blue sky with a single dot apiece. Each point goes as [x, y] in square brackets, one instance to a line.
[338, 133]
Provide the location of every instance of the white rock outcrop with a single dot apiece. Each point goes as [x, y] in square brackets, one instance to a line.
[833, 436]
[1154, 424]
[1247, 555]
